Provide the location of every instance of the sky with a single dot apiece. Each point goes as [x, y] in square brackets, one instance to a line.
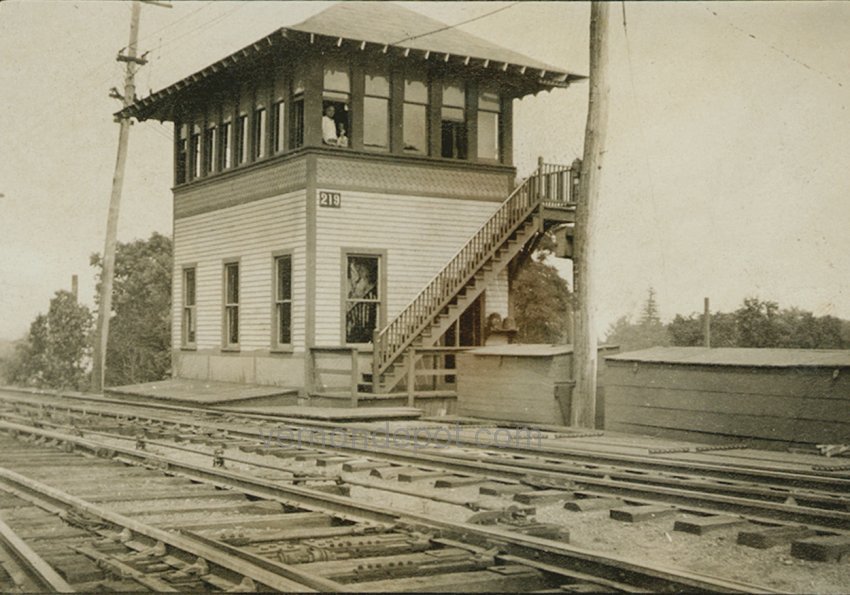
[726, 171]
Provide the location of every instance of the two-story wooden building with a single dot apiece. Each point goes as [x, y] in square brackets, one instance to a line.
[346, 183]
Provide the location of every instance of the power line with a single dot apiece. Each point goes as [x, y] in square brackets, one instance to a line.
[775, 48]
[171, 24]
[447, 27]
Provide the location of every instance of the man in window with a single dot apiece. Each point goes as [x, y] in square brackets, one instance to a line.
[329, 126]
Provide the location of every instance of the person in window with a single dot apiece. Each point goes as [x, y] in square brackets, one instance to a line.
[329, 126]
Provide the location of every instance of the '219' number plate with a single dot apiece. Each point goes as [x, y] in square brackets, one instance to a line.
[332, 200]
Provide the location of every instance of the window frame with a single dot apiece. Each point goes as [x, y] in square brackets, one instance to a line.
[426, 104]
[243, 139]
[210, 149]
[499, 125]
[190, 308]
[225, 147]
[464, 123]
[230, 307]
[195, 162]
[387, 99]
[259, 143]
[381, 318]
[277, 301]
[338, 96]
[181, 154]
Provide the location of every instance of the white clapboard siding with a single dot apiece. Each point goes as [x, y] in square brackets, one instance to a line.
[251, 233]
[419, 234]
[497, 294]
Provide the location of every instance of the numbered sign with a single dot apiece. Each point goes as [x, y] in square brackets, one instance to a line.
[332, 200]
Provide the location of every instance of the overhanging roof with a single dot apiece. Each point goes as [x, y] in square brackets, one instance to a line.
[377, 24]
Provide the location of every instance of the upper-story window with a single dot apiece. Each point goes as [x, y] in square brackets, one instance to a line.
[376, 109]
[489, 125]
[210, 148]
[415, 118]
[195, 152]
[296, 110]
[224, 146]
[259, 133]
[336, 104]
[242, 139]
[453, 121]
[180, 160]
[279, 126]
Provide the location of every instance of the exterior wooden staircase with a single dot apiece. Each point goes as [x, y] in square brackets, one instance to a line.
[545, 198]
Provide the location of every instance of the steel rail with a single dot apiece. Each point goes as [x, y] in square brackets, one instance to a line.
[660, 463]
[38, 571]
[22, 486]
[657, 578]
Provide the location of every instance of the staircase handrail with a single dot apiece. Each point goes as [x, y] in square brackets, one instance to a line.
[399, 333]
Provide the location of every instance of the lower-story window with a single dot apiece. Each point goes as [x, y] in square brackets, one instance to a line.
[231, 304]
[363, 297]
[189, 321]
[283, 300]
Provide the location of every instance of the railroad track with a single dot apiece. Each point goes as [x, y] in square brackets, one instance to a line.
[267, 533]
[817, 499]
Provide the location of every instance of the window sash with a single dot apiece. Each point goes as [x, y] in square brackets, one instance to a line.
[210, 149]
[489, 143]
[189, 330]
[231, 304]
[279, 130]
[376, 117]
[225, 140]
[259, 133]
[242, 139]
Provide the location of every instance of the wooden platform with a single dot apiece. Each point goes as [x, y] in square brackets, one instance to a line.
[204, 393]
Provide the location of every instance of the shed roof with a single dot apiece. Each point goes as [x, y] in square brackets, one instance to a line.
[382, 24]
[738, 356]
[529, 350]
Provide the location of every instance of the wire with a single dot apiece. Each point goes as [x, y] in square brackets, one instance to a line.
[447, 27]
[776, 49]
[171, 24]
[205, 25]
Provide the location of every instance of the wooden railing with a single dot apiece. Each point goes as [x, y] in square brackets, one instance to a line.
[438, 370]
[548, 184]
[349, 359]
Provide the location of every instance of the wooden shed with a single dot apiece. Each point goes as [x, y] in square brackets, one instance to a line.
[518, 383]
[772, 398]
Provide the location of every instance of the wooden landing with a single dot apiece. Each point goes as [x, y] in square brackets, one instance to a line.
[203, 393]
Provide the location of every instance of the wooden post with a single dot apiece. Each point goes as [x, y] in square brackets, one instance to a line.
[583, 411]
[411, 376]
[706, 325]
[355, 376]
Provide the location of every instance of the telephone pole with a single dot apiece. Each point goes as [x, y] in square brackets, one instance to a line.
[133, 62]
[585, 351]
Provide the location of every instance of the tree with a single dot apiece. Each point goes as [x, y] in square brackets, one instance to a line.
[139, 348]
[542, 303]
[686, 331]
[648, 332]
[55, 352]
[757, 323]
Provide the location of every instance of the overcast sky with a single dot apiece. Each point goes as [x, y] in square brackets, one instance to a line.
[727, 170]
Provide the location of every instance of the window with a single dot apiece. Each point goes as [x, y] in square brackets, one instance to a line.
[195, 152]
[189, 321]
[296, 111]
[283, 300]
[336, 101]
[225, 142]
[259, 140]
[363, 298]
[242, 139]
[279, 126]
[231, 304]
[376, 110]
[210, 148]
[180, 158]
[489, 125]
[453, 121]
[415, 126]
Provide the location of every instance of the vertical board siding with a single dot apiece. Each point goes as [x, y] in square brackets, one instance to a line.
[419, 234]
[250, 233]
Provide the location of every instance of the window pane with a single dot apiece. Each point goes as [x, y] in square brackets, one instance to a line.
[232, 325]
[280, 126]
[415, 128]
[453, 114]
[284, 278]
[360, 321]
[284, 323]
[260, 133]
[337, 79]
[376, 132]
[489, 101]
[415, 91]
[210, 147]
[453, 139]
[488, 135]
[189, 291]
[224, 153]
[232, 294]
[377, 84]
[242, 139]
[453, 95]
[363, 277]
[296, 114]
[196, 155]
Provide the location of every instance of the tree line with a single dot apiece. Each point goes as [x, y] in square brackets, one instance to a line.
[57, 350]
[755, 323]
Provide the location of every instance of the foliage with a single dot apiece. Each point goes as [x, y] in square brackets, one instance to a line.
[55, 352]
[686, 331]
[648, 332]
[542, 303]
[139, 347]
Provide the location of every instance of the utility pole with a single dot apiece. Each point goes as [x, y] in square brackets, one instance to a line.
[706, 324]
[585, 351]
[133, 62]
